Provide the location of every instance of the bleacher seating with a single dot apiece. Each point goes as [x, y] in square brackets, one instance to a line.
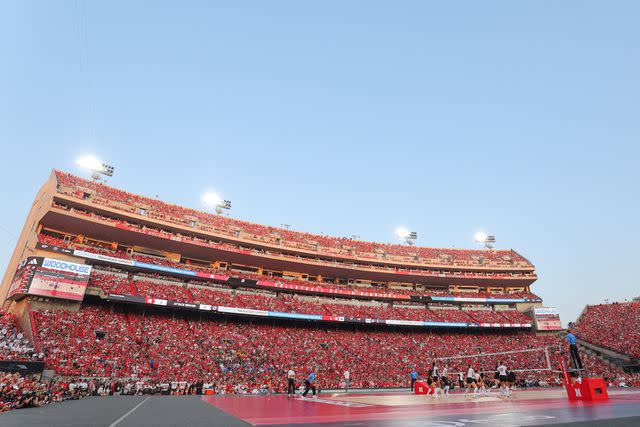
[14, 344]
[156, 287]
[612, 326]
[238, 355]
[101, 194]
[54, 241]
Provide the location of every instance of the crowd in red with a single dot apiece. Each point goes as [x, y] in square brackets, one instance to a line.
[452, 271]
[238, 357]
[347, 247]
[121, 283]
[54, 241]
[81, 352]
[612, 326]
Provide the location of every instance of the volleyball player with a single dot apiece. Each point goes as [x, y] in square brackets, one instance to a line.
[446, 384]
[471, 382]
[431, 383]
[511, 380]
[435, 371]
[502, 377]
[480, 383]
[496, 378]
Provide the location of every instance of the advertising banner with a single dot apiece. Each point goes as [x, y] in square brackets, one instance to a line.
[300, 316]
[248, 311]
[101, 257]
[66, 267]
[54, 248]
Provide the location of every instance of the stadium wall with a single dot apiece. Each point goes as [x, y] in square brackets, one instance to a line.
[25, 246]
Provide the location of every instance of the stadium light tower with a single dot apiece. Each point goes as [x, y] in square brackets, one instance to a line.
[409, 237]
[95, 166]
[215, 202]
[485, 239]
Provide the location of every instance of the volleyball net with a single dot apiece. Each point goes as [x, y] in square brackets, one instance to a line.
[532, 360]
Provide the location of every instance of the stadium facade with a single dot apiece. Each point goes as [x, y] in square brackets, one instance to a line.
[80, 211]
[85, 244]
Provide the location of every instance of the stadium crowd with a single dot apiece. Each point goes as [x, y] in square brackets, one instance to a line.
[14, 345]
[312, 287]
[346, 247]
[239, 357]
[103, 350]
[155, 286]
[611, 326]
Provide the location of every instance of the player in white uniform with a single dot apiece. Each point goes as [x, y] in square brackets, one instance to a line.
[435, 371]
[471, 382]
[480, 383]
[446, 384]
[502, 376]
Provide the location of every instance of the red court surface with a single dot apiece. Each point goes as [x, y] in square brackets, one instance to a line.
[527, 407]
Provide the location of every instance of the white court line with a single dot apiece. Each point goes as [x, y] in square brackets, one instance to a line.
[338, 402]
[113, 424]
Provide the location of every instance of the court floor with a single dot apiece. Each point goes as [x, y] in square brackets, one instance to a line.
[527, 408]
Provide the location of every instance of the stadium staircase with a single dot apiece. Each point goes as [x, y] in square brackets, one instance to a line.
[188, 295]
[30, 329]
[612, 358]
[132, 287]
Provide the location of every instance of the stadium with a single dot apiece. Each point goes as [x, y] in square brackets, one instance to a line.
[120, 309]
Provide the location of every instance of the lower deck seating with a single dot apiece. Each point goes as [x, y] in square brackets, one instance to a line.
[238, 355]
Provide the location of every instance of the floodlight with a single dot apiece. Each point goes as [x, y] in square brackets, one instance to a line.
[215, 202]
[409, 237]
[93, 164]
[402, 232]
[480, 237]
[485, 239]
[211, 199]
[89, 162]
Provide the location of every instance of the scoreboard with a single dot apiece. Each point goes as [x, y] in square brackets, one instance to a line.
[50, 277]
[547, 319]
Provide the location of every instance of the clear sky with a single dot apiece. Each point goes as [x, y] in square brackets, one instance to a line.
[349, 117]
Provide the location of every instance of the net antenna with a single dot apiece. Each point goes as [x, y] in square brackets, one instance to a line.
[528, 360]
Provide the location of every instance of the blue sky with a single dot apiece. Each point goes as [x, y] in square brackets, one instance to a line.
[518, 118]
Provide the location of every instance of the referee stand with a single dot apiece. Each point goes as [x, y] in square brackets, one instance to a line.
[578, 384]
